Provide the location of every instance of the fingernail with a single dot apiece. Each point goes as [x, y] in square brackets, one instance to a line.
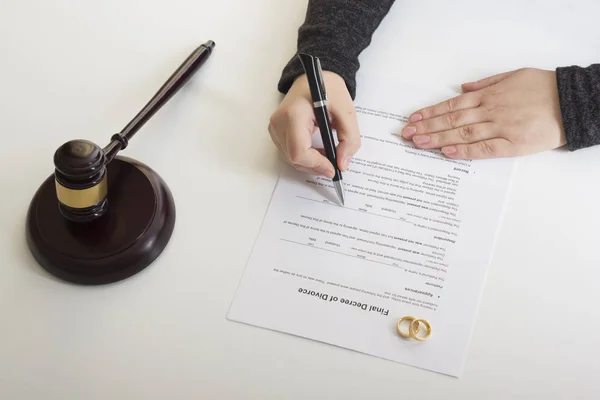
[415, 117]
[346, 163]
[449, 150]
[421, 139]
[409, 131]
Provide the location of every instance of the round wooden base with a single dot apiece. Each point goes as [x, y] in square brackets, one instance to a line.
[129, 237]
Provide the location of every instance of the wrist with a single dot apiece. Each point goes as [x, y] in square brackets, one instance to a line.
[336, 68]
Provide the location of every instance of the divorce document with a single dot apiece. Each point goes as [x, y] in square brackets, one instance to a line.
[415, 238]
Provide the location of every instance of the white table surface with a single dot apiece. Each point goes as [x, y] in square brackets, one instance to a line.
[81, 69]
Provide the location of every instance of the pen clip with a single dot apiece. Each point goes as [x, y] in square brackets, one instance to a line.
[321, 81]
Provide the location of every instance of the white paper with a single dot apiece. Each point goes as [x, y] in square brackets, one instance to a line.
[415, 238]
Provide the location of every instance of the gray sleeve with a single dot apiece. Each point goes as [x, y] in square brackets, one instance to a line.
[336, 31]
[579, 95]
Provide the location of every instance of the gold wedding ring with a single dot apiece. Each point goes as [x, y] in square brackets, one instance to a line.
[411, 319]
[413, 332]
[414, 326]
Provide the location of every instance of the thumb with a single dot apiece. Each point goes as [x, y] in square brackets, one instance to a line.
[345, 123]
[316, 163]
[486, 82]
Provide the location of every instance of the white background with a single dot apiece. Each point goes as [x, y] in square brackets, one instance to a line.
[71, 69]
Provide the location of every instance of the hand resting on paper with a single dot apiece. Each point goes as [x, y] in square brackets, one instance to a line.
[293, 125]
[511, 114]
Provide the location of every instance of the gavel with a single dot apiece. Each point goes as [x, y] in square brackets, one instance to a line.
[100, 217]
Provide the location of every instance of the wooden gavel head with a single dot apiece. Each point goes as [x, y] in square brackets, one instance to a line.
[81, 180]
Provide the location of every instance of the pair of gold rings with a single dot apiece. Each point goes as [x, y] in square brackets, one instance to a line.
[414, 327]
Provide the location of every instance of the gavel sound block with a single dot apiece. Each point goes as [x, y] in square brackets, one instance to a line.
[102, 217]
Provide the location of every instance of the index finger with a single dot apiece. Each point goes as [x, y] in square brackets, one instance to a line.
[460, 102]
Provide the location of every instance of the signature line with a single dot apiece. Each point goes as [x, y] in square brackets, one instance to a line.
[353, 209]
[343, 254]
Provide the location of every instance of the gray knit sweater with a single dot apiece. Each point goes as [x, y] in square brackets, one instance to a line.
[337, 31]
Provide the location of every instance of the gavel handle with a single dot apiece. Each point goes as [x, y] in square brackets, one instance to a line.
[175, 82]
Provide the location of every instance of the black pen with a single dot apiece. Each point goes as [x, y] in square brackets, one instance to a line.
[312, 67]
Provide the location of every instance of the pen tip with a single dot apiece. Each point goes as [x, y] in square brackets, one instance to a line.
[340, 192]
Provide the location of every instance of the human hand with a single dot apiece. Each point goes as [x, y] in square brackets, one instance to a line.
[293, 123]
[511, 114]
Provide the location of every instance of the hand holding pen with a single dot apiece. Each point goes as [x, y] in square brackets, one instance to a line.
[294, 123]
